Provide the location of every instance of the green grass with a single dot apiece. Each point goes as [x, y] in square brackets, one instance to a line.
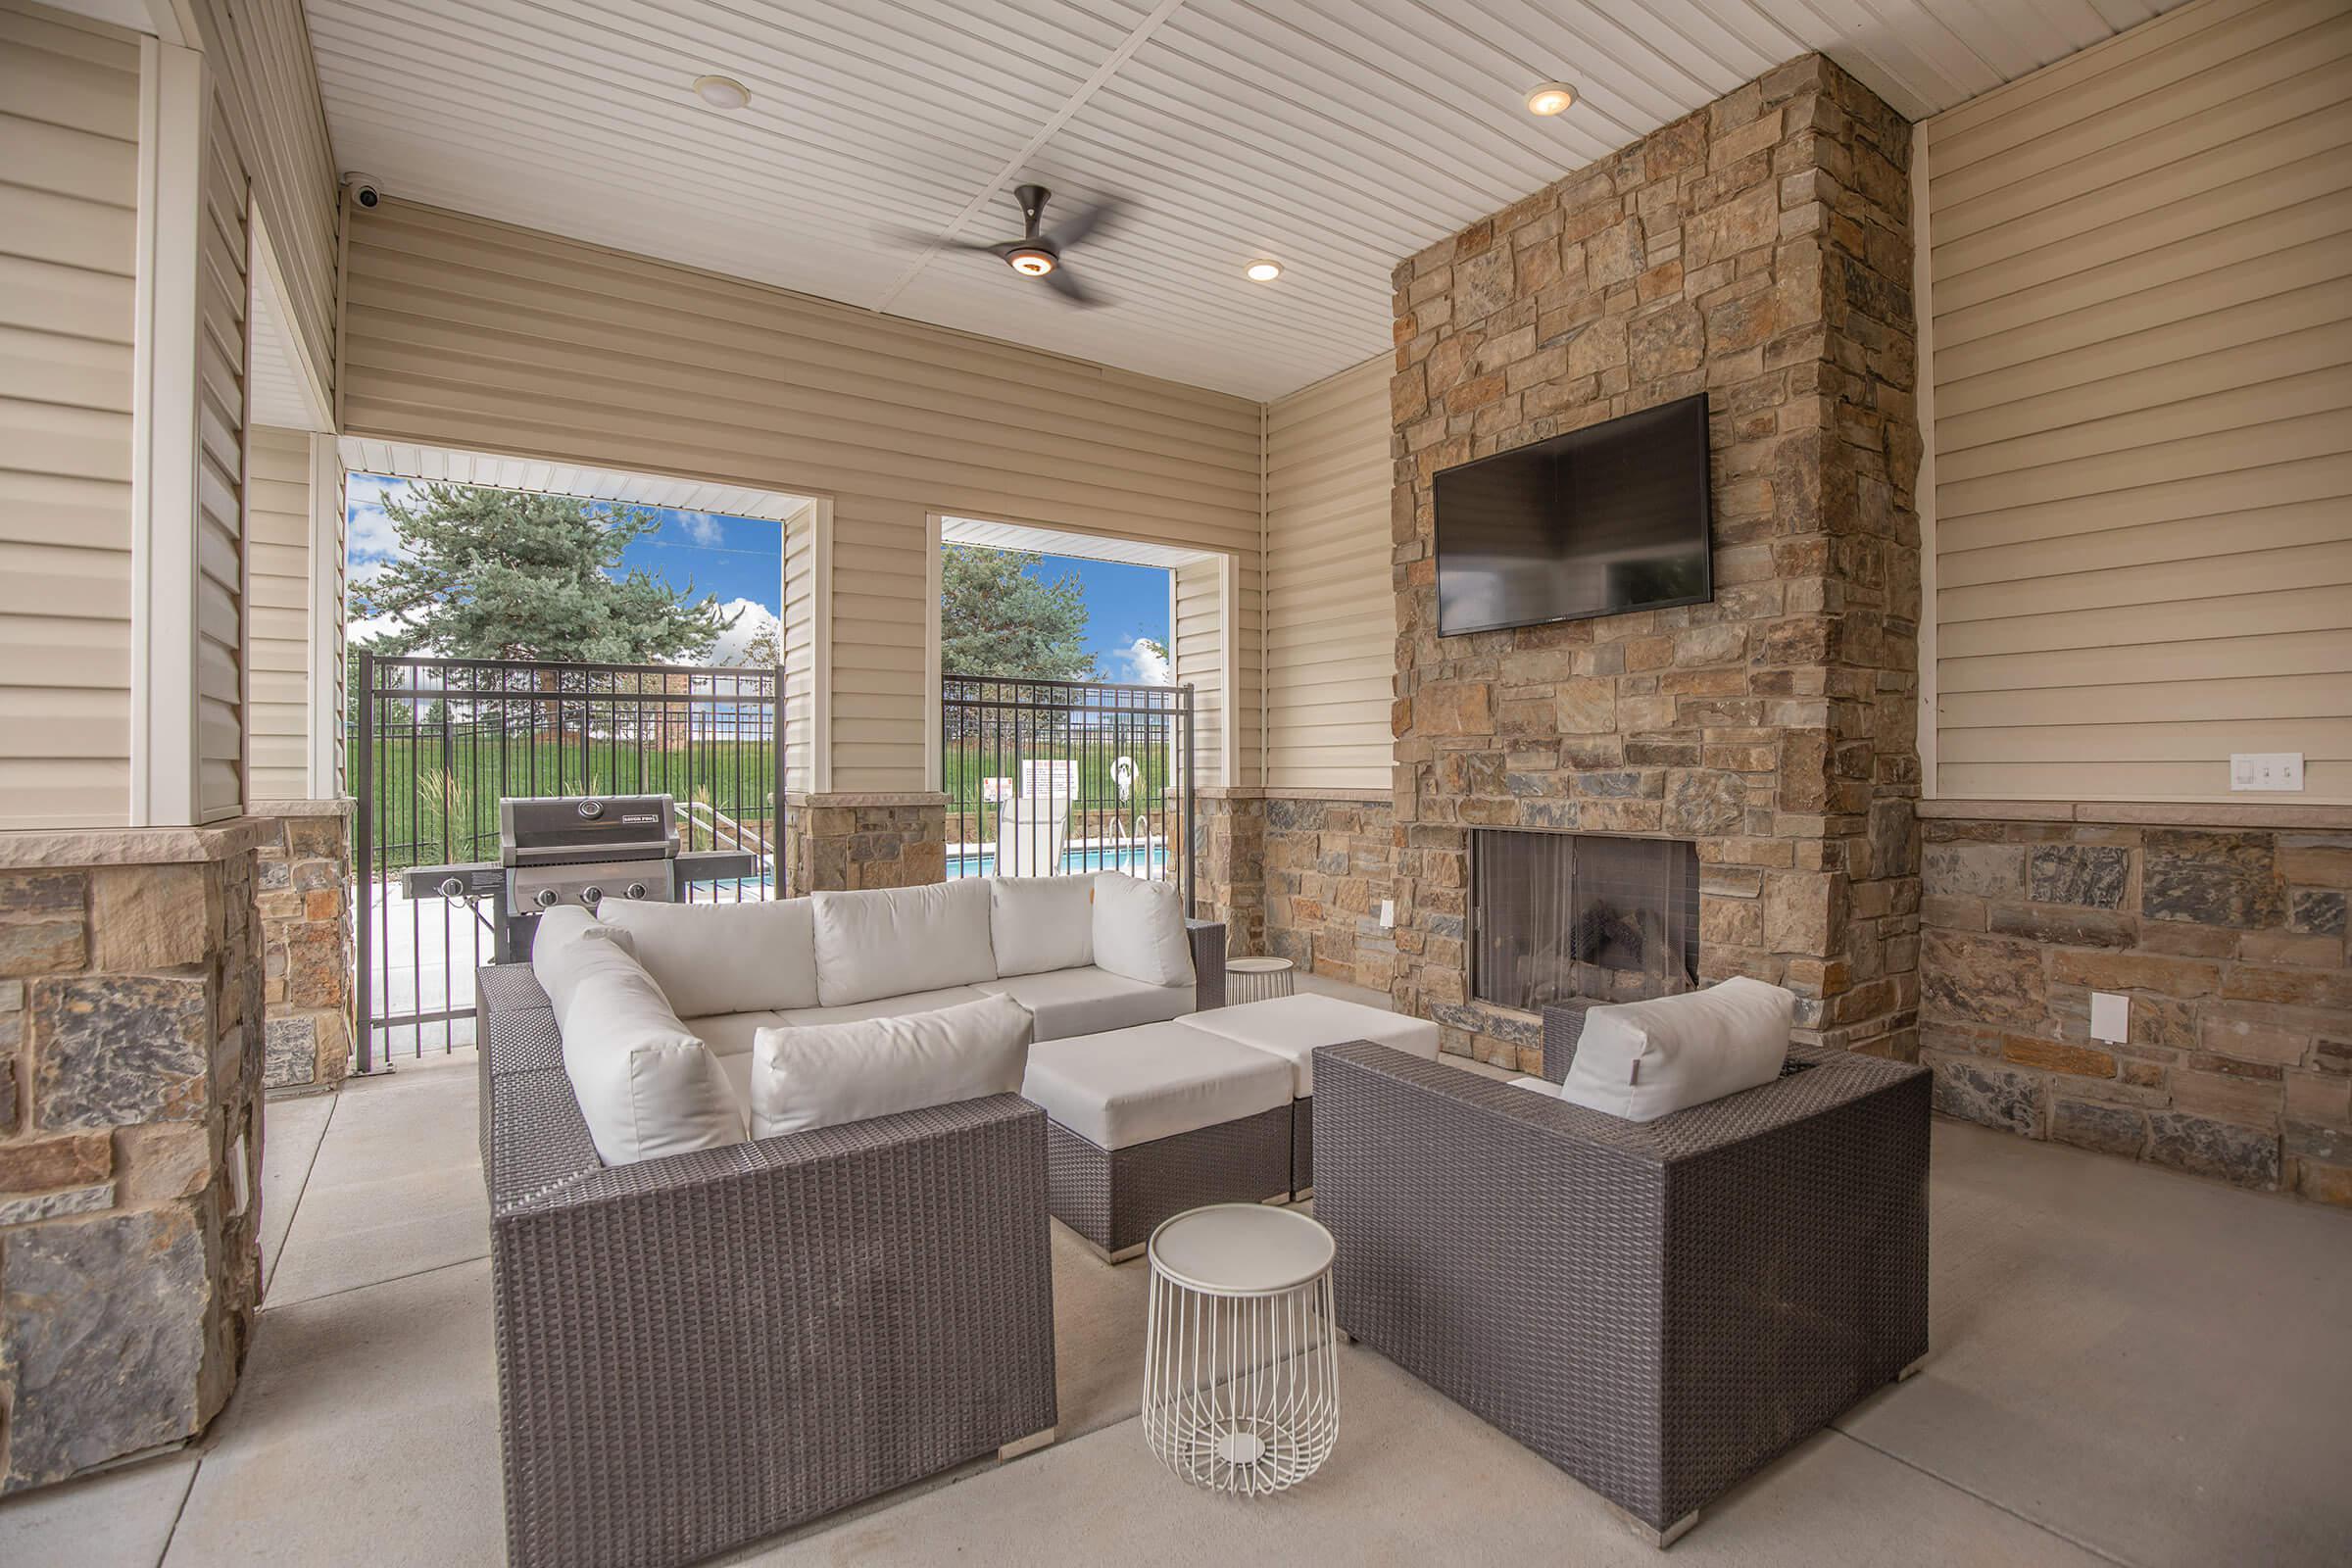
[970, 765]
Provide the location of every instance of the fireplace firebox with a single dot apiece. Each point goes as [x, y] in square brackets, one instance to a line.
[1581, 917]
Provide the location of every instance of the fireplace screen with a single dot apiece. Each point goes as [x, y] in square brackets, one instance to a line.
[1575, 915]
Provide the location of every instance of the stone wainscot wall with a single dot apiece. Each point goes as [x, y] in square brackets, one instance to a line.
[2230, 942]
[847, 841]
[1302, 875]
[131, 1139]
[302, 883]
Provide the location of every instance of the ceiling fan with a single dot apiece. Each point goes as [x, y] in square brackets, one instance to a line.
[1037, 254]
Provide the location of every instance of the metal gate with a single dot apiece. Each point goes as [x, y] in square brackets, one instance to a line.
[437, 743]
[1050, 776]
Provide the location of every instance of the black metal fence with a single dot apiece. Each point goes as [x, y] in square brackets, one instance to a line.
[437, 743]
[1046, 776]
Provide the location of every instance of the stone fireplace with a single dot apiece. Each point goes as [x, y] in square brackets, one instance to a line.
[1758, 251]
[1563, 916]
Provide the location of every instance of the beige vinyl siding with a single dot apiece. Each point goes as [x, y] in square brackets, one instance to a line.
[278, 515]
[469, 333]
[259, 52]
[796, 639]
[2142, 291]
[1196, 656]
[1330, 603]
[224, 294]
[68, 222]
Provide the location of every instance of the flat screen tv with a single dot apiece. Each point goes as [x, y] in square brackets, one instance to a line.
[1609, 519]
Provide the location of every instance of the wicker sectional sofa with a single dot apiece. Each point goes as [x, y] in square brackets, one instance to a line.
[1658, 1309]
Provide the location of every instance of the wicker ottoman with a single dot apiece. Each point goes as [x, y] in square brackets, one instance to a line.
[1292, 1028]
[1147, 1122]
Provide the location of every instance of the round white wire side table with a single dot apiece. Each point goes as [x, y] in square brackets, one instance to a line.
[1256, 979]
[1241, 1352]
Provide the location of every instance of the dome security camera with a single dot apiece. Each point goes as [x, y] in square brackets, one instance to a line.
[366, 190]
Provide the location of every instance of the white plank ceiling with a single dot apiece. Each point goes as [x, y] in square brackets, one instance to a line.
[1338, 136]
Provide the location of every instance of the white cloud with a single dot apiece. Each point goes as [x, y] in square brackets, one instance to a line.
[752, 618]
[1138, 664]
[700, 528]
[370, 530]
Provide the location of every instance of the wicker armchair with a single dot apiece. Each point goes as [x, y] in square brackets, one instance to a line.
[1658, 1309]
[698, 1352]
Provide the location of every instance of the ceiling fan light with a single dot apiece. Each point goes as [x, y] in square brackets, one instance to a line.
[1548, 98]
[1030, 262]
[1262, 270]
[723, 93]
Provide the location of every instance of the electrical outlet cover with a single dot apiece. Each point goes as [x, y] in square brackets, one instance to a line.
[2110, 1018]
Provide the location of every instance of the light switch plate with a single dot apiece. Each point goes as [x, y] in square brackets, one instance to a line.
[2266, 770]
[2110, 1018]
[1387, 914]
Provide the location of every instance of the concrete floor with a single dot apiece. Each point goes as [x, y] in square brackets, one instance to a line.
[2129, 1366]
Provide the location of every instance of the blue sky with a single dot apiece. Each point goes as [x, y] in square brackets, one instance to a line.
[740, 560]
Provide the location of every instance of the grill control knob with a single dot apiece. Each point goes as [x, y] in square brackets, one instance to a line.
[545, 898]
[592, 895]
[452, 886]
[636, 890]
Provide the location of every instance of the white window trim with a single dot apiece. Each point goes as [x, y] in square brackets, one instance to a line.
[173, 91]
[934, 587]
[326, 617]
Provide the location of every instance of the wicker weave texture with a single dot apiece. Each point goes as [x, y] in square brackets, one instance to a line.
[1207, 938]
[1114, 1197]
[1659, 1309]
[698, 1352]
[1303, 1144]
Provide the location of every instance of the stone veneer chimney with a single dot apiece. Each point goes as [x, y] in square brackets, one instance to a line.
[1760, 251]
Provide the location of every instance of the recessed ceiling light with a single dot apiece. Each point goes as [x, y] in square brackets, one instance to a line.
[723, 93]
[1548, 98]
[1262, 270]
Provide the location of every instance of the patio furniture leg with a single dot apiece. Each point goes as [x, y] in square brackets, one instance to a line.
[1028, 1444]
[1660, 1539]
[1911, 1371]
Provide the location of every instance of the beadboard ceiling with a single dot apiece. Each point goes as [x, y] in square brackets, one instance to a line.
[1337, 136]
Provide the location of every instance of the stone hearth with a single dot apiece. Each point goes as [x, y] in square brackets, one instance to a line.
[1758, 251]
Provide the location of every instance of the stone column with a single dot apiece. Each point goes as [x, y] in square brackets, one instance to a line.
[303, 881]
[846, 840]
[131, 1139]
[1330, 861]
[1229, 881]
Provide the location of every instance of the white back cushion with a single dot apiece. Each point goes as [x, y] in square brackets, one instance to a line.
[1042, 922]
[723, 957]
[1139, 930]
[1644, 1059]
[896, 939]
[567, 938]
[822, 1075]
[646, 1085]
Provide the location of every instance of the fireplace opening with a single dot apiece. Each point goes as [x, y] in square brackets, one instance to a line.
[1581, 917]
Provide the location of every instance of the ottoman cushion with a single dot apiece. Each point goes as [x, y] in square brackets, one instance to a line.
[1156, 1080]
[1292, 1027]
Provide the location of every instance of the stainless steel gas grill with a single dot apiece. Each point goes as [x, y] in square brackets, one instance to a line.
[578, 849]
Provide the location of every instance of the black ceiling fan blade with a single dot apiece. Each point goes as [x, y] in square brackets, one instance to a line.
[909, 239]
[1069, 288]
[1085, 224]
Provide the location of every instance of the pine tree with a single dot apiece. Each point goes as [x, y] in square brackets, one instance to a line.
[995, 618]
[510, 574]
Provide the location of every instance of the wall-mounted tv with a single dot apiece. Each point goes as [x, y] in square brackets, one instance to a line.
[1609, 519]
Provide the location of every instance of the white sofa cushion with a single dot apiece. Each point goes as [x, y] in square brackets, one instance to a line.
[1645, 1059]
[1292, 1027]
[825, 1074]
[1089, 1001]
[729, 1034]
[1139, 930]
[646, 1083]
[568, 940]
[896, 939]
[723, 957]
[882, 1007]
[1154, 1081]
[1040, 923]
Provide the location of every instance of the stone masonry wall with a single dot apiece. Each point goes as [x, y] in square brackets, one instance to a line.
[1328, 864]
[2231, 944]
[1229, 877]
[130, 1063]
[843, 842]
[302, 876]
[1758, 251]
